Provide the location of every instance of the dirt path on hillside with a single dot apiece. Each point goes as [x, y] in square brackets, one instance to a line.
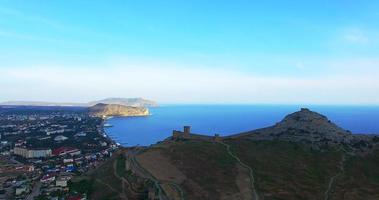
[139, 170]
[333, 178]
[161, 168]
[251, 174]
[123, 194]
[243, 183]
[110, 187]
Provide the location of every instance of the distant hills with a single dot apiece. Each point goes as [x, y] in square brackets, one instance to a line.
[135, 102]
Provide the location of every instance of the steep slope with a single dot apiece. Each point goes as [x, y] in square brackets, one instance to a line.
[117, 110]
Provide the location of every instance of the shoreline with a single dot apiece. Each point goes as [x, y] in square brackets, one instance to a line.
[105, 135]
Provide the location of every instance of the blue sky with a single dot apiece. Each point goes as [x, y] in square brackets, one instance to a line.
[287, 52]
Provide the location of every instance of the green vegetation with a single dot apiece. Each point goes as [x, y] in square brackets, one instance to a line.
[207, 164]
[99, 184]
[282, 170]
[83, 186]
[361, 178]
[107, 185]
[121, 166]
[288, 170]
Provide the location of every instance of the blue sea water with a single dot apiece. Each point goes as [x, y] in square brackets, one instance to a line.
[228, 119]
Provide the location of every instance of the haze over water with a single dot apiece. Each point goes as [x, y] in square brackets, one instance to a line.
[229, 119]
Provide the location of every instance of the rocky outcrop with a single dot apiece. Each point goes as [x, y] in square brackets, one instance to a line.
[117, 110]
[312, 128]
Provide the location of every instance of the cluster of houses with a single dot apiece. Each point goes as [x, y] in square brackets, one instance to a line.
[46, 151]
[56, 167]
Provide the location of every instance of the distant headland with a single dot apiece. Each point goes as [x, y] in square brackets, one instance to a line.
[105, 110]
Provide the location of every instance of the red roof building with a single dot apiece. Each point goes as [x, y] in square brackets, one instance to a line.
[78, 197]
[65, 150]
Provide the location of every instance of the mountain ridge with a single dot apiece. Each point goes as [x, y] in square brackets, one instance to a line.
[136, 102]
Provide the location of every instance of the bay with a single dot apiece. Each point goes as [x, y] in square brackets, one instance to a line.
[228, 119]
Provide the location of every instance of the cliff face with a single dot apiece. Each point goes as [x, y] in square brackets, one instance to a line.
[117, 110]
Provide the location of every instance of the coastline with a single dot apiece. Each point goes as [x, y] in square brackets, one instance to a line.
[113, 141]
[104, 120]
[105, 135]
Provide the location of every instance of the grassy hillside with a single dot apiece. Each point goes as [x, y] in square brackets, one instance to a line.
[281, 169]
[305, 156]
[210, 171]
[101, 183]
[361, 178]
[286, 170]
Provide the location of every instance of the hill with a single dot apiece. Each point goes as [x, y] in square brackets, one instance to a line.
[312, 129]
[40, 103]
[135, 102]
[117, 110]
[305, 156]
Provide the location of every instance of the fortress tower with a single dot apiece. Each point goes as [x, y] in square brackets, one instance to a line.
[187, 131]
[217, 138]
[179, 134]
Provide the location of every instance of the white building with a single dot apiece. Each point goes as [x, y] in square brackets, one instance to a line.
[21, 190]
[32, 153]
[62, 181]
[60, 138]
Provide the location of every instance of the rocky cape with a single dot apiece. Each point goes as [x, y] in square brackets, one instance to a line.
[117, 110]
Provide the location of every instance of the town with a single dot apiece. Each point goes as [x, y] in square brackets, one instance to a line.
[42, 150]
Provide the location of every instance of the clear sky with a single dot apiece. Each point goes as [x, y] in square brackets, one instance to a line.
[198, 51]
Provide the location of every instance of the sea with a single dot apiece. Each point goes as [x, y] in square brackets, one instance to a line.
[229, 119]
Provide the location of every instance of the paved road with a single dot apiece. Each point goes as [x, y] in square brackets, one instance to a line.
[35, 191]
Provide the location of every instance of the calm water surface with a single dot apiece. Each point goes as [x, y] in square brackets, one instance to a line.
[228, 119]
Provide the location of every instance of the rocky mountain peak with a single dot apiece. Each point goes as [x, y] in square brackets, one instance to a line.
[305, 116]
[309, 122]
[303, 125]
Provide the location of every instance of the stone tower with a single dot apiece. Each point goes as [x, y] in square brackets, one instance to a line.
[217, 138]
[187, 130]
